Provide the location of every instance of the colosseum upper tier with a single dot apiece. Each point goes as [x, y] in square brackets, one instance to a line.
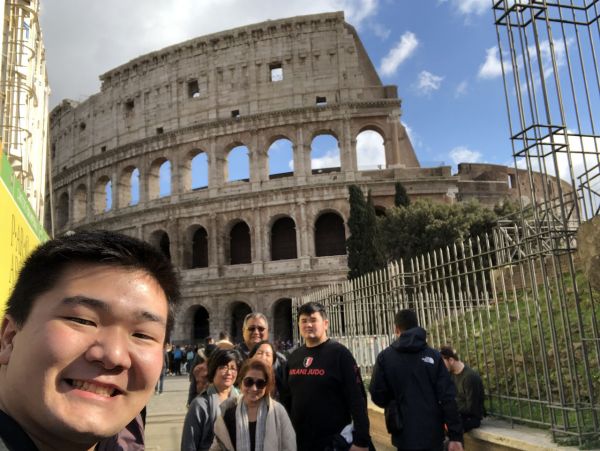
[125, 160]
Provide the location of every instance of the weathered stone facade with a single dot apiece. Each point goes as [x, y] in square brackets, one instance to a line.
[249, 244]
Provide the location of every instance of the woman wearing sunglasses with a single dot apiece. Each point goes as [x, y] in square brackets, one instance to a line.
[254, 421]
[198, 428]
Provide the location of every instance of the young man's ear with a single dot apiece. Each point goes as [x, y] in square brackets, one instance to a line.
[397, 330]
[8, 330]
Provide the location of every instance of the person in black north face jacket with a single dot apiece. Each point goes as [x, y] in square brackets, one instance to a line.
[414, 376]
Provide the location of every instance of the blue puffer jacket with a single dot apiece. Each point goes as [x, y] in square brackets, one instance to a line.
[415, 376]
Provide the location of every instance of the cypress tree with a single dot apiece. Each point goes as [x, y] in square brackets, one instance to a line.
[401, 198]
[363, 255]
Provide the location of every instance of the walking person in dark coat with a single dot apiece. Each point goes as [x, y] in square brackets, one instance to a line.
[413, 376]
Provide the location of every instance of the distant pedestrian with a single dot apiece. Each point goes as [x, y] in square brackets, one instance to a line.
[177, 358]
[469, 389]
[160, 384]
[411, 382]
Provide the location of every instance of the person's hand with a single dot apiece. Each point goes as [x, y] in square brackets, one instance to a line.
[201, 375]
[455, 446]
[357, 448]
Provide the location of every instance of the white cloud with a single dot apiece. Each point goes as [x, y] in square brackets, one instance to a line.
[468, 7]
[370, 150]
[492, 67]
[102, 35]
[461, 89]
[403, 49]
[380, 31]
[462, 154]
[331, 159]
[428, 82]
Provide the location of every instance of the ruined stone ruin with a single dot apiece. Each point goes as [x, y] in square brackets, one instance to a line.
[253, 243]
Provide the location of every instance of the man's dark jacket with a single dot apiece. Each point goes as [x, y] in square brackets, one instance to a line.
[415, 376]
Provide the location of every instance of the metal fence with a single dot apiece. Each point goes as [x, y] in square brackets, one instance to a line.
[513, 310]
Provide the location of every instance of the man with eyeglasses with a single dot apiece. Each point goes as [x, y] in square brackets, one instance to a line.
[254, 330]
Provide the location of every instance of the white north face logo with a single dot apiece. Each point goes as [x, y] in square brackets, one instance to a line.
[427, 360]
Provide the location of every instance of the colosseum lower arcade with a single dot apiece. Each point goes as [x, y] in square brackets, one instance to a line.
[157, 154]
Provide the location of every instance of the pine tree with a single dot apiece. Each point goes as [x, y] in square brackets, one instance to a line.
[401, 197]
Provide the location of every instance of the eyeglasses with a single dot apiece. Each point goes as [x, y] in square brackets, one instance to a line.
[225, 369]
[250, 381]
[261, 329]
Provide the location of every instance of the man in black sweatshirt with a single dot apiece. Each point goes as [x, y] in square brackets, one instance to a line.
[326, 392]
[414, 377]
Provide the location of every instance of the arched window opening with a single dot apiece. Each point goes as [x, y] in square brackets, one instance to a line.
[324, 154]
[238, 165]
[201, 328]
[199, 172]
[62, 211]
[200, 248]
[330, 235]
[239, 310]
[135, 187]
[159, 178]
[80, 203]
[282, 320]
[281, 159]
[283, 239]
[102, 195]
[240, 244]
[160, 240]
[370, 150]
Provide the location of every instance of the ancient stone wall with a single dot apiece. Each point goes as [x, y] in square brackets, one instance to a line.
[249, 244]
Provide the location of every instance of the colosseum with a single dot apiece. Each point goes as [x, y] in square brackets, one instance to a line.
[151, 156]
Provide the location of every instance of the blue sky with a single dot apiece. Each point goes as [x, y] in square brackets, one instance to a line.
[438, 52]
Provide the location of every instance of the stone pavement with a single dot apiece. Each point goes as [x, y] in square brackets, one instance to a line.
[165, 414]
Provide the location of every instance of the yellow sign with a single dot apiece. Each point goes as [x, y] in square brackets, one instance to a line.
[20, 232]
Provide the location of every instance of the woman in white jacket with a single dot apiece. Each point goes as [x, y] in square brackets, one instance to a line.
[254, 421]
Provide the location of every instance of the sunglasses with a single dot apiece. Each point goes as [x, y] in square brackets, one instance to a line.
[250, 381]
[258, 328]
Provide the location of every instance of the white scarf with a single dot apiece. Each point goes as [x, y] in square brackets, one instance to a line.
[242, 429]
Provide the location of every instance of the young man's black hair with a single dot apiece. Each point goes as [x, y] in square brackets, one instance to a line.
[48, 262]
[406, 319]
[312, 307]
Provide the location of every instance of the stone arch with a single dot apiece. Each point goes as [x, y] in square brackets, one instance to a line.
[62, 210]
[238, 311]
[237, 168]
[240, 244]
[280, 156]
[195, 170]
[159, 178]
[325, 155]
[196, 252]
[330, 235]
[160, 240]
[80, 203]
[129, 185]
[103, 195]
[200, 323]
[283, 239]
[283, 321]
[370, 149]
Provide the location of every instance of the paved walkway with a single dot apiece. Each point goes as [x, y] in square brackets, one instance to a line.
[165, 414]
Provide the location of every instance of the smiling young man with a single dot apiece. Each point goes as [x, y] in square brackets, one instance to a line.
[324, 391]
[81, 341]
